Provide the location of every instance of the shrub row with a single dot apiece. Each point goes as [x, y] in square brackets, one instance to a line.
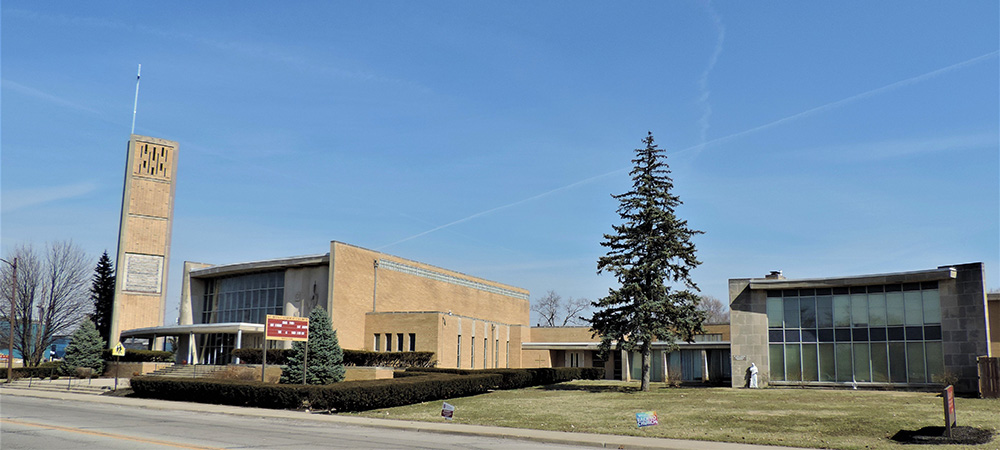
[388, 359]
[139, 356]
[275, 356]
[521, 378]
[32, 372]
[412, 386]
[351, 357]
[342, 397]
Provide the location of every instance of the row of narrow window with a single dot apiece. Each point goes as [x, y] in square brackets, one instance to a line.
[485, 358]
[401, 345]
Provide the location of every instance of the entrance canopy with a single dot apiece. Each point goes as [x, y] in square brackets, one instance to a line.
[201, 328]
[213, 337]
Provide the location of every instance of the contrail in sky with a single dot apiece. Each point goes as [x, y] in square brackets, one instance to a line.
[706, 107]
[806, 113]
[852, 99]
[509, 205]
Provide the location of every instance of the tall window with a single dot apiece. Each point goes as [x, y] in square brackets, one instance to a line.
[458, 353]
[881, 334]
[243, 298]
[472, 354]
[485, 352]
[413, 342]
[388, 342]
[378, 342]
[399, 342]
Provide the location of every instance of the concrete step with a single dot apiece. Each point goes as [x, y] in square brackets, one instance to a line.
[188, 371]
[77, 386]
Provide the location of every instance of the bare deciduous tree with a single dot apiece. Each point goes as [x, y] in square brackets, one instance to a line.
[554, 312]
[51, 296]
[715, 309]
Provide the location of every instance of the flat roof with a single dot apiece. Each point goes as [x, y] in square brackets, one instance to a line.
[941, 273]
[201, 328]
[263, 265]
[697, 345]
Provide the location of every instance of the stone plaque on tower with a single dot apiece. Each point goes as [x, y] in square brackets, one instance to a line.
[144, 235]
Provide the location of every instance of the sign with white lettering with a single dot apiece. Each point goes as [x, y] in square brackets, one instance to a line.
[287, 328]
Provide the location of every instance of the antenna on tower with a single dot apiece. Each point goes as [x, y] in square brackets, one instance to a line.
[136, 104]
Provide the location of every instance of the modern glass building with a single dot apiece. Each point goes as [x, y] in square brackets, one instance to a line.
[900, 329]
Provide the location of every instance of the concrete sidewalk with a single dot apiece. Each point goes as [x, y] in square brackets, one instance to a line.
[556, 437]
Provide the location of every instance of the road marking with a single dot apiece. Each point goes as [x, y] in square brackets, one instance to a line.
[108, 435]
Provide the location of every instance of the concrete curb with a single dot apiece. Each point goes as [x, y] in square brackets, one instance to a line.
[550, 437]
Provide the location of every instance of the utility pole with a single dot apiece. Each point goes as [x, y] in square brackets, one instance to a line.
[10, 320]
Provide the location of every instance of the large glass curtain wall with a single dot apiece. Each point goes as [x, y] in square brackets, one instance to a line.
[244, 298]
[881, 334]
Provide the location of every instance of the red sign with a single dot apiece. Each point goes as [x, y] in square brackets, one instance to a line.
[286, 328]
[949, 408]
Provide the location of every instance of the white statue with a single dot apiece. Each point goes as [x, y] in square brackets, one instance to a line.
[753, 376]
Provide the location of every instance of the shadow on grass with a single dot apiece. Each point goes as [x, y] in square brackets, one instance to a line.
[936, 436]
[594, 389]
[627, 389]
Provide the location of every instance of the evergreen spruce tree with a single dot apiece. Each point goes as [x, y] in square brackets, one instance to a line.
[102, 293]
[325, 364]
[649, 251]
[85, 349]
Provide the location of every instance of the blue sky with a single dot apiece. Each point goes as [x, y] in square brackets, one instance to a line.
[819, 138]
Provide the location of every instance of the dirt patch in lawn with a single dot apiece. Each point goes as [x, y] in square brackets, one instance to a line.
[936, 435]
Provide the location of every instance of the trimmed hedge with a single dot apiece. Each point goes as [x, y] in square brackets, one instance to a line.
[140, 356]
[32, 372]
[388, 359]
[521, 378]
[275, 356]
[412, 386]
[342, 397]
[351, 357]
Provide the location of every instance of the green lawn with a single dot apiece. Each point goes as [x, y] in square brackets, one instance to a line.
[844, 419]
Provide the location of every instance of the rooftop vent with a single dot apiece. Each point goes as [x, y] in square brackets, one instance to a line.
[774, 275]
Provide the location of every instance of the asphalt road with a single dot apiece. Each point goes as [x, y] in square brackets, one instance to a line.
[39, 423]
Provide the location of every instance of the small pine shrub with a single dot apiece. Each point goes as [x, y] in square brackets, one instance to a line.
[325, 361]
[84, 350]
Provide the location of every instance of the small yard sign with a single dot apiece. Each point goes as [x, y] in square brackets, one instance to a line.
[949, 408]
[646, 419]
[119, 350]
[287, 328]
[447, 411]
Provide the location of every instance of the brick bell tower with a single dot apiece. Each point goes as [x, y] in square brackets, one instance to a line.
[144, 235]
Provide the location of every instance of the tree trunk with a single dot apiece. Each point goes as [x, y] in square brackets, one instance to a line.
[647, 350]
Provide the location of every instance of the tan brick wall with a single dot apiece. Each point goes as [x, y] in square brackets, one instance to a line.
[537, 358]
[425, 326]
[150, 198]
[993, 314]
[353, 285]
[147, 236]
[138, 311]
[722, 329]
[562, 334]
